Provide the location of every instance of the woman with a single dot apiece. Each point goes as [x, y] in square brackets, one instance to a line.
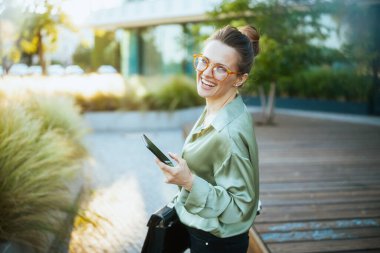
[218, 170]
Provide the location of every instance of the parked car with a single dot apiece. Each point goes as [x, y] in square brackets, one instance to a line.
[35, 70]
[74, 70]
[19, 69]
[106, 69]
[56, 70]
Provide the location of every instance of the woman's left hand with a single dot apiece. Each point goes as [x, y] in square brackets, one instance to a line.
[180, 174]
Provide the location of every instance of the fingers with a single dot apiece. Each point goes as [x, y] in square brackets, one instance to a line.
[179, 160]
[174, 156]
[165, 168]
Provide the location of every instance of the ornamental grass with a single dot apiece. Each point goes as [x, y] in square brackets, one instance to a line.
[40, 155]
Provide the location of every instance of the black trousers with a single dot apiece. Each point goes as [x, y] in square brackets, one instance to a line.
[204, 242]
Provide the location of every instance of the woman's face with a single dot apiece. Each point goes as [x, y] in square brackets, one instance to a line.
[209, 87]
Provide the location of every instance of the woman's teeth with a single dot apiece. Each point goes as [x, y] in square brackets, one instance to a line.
[208, 83]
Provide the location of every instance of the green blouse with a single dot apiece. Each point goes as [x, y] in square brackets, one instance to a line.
[224, 159]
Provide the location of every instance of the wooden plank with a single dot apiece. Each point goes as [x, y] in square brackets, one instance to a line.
[318, 186]
[359, 251]
[303, 159]
[294, 177]
[256, 245]
[321, 215]
[330, 207]
[321, 163]
[320, 234]
[326, 246]
[331, 168]
[345, 196]
[312, 225]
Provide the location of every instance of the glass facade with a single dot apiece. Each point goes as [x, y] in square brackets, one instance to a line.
[160, 50]
[163, 51]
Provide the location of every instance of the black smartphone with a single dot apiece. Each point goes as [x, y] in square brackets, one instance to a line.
[156, 151]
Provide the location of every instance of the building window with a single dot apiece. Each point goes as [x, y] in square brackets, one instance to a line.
[163, 50]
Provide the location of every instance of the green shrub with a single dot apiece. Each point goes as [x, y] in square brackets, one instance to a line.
[179, 92]
[38, 158]
[99, 102]
[326, 83]
[60, 114]
[146, 94]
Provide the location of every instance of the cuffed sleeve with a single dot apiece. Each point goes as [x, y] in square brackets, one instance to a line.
[197, 198]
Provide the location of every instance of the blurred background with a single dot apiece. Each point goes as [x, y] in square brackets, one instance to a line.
[316, 54]
[81, 80]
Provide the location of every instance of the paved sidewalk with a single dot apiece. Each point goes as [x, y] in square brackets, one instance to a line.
[128, 188]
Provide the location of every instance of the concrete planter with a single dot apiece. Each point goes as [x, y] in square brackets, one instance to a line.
[141, 121]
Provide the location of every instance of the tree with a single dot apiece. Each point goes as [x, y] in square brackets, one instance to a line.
[40, 29]
[82, 56]
[359, 23]
[9, 29]
[289, 28]
[106, 49]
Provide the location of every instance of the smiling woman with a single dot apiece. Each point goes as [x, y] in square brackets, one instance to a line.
[218, 170]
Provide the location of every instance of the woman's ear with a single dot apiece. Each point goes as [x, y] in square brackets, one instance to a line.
[241, 79]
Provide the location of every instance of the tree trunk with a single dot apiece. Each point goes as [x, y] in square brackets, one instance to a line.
[263, 103]
[374, 92]
[271, 104]
[41, 53]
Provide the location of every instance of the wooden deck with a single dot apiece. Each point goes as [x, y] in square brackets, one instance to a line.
[320, 186]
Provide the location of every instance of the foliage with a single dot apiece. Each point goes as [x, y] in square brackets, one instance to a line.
[362, 43]
[60, 114]
[178, 93]
[106, 50]
[82, 57]
[38, 157]
[326, 83]
[10, 21]
[359, 23]
[99, 102]
[288, 29]
[40, 29]
[156, 94]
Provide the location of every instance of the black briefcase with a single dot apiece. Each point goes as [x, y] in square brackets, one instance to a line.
[166, 234]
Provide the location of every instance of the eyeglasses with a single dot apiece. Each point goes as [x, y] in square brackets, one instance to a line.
[219, 71]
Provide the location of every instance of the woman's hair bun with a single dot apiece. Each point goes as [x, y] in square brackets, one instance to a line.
[253, 35]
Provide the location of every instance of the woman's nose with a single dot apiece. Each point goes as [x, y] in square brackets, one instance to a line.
[208, 71]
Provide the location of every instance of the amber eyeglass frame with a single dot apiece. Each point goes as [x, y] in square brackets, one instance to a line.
[213, 65]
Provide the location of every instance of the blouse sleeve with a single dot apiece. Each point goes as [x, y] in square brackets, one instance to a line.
[230, 199]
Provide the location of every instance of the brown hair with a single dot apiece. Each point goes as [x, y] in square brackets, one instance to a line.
[245, 40]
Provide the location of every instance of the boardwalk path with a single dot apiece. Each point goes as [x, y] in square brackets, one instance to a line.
[320, 186]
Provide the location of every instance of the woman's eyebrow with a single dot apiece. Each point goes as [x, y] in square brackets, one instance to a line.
[217, 63]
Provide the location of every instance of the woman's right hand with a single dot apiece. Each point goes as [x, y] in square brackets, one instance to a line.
[180, 174]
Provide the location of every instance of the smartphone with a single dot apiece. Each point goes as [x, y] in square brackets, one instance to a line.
[156, 151]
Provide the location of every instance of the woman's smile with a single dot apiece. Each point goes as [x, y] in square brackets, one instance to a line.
[207, 84]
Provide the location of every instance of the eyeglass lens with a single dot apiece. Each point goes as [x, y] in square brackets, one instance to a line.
[219, 72]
